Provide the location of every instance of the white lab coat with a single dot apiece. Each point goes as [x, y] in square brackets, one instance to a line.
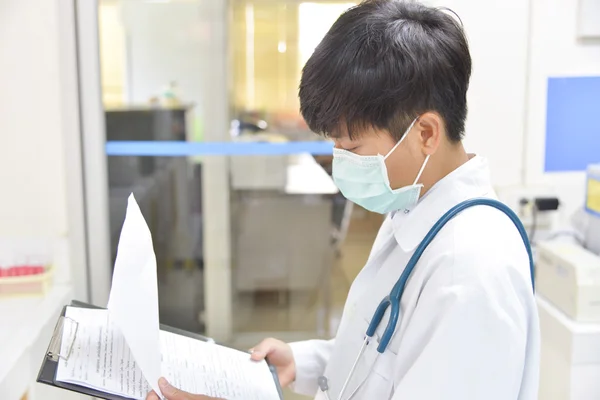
[468, 328]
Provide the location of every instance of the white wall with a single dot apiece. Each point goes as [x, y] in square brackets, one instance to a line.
[39, 129]
[32, 168]
[497, 32]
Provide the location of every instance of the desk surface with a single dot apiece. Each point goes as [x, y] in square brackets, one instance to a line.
[306, 176]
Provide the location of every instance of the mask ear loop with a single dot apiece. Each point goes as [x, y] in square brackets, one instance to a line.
[421, 170]
[401, 139]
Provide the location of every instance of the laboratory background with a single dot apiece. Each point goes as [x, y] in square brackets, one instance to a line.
[192, 106]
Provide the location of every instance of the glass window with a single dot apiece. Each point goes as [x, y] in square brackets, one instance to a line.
[290, 265]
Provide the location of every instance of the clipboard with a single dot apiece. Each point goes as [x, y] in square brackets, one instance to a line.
[49, 367]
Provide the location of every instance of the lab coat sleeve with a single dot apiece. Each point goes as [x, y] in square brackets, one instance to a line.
[467, 337]
[311, 357]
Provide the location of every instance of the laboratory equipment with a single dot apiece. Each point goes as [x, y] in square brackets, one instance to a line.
[568, 284]
[569, 356]
[281, 242]
[568, 276]
[265, 258]
[592, 208]
[259, 172]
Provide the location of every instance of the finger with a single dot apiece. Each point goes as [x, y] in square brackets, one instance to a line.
[152, 396]
[260, 351]
[171, 392]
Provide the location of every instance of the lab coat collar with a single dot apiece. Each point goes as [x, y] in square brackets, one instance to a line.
[468, 181]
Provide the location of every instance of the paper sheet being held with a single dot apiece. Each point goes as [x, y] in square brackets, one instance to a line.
[121, 350]
[133, 301]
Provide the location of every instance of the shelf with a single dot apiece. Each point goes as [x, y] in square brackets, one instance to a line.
[26, 321]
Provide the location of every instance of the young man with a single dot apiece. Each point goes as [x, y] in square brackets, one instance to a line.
[389, 84]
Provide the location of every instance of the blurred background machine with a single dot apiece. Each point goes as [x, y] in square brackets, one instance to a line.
[569, 277]
[591, 226]
[568, 290]
[283, 237]
[284, 233]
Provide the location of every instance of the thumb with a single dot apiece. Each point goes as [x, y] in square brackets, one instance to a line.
[262, 350]
[171, 392]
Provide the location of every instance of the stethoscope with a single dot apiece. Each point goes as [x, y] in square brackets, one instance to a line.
[393, 299]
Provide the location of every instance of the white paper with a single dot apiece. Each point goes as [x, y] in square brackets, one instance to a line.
[98, 356]
[101, 359]
[133, 301]
[207, 368]
[122, 351]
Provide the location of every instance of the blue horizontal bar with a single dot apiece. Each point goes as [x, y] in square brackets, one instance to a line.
[184, 149]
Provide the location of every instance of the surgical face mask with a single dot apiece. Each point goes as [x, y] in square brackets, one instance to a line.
[364, 180]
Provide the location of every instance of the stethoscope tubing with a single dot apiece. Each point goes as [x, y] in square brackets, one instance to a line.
[393, 299]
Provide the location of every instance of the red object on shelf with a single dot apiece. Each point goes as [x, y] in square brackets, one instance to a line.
[23, 270]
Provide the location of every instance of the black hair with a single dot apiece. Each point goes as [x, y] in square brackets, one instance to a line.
[382, 64]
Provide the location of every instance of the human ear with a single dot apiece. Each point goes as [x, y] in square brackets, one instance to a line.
[431, 127]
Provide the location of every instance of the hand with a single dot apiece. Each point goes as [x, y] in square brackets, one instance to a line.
[279, 355]
[172, 393]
